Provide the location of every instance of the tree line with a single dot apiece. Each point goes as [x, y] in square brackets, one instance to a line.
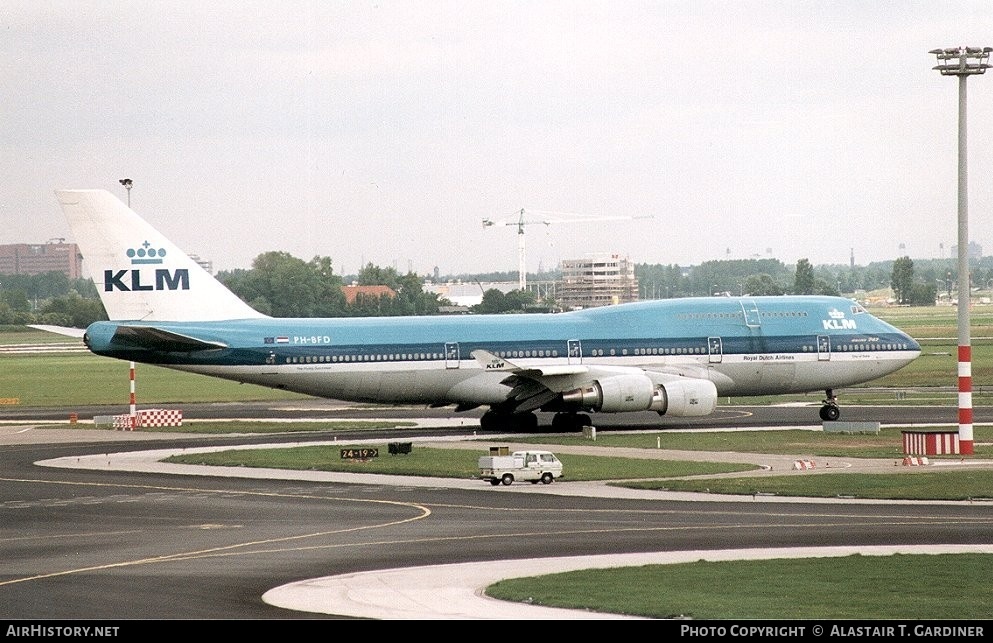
[281, 285]
[49, 298]
[917, 283]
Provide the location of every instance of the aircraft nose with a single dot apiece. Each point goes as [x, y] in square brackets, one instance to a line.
[912, 349]
[912, 343]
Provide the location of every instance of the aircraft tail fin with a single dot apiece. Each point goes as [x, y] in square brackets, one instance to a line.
[140, 274]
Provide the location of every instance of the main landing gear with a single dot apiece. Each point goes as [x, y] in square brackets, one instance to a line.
[569, 422]
[528, 422]
[830, 411]
[495, 421]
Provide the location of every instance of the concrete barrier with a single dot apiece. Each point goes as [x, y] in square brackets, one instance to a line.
[850, 427]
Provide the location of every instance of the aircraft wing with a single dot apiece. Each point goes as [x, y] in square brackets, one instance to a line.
[681, 388]
[159, 339]
[531, 388]
[491, 362]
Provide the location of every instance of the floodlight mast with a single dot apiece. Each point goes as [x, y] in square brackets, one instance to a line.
[127, 183]
[963, 62]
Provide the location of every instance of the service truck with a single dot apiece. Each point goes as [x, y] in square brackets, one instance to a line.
[533, 466]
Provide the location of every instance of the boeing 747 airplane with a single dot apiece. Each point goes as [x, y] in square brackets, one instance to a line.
[675, 357]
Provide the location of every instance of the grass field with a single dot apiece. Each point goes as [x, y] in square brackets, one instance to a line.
[447, 463]
[916, 588]
[904, 483]
[81, 378]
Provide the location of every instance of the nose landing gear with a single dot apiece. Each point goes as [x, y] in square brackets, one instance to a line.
[830, 411]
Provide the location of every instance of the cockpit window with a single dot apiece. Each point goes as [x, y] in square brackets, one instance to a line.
[858, 310]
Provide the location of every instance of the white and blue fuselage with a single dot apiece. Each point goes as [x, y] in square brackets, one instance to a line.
[745, 346]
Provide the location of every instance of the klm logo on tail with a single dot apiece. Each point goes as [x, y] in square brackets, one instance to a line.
[130, 280]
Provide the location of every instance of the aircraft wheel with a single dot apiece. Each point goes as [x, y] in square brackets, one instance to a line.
[567, 422]
[830, 413]
[527, 422]
[546, 478]
[507, 479]
[495, 481]
[487, 422]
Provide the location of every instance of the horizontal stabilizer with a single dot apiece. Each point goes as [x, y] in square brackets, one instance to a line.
[158, 339]
[59, 330]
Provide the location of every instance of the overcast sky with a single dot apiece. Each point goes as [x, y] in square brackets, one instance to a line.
[385, 131]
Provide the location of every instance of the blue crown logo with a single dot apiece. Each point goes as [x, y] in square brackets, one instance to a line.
[146, 254]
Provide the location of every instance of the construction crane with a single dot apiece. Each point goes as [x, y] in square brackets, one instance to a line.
[527, 217]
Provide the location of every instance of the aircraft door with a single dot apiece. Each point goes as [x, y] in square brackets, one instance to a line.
[751, 311]
[451, 354]
[575, 351]
[716, 349]
[823, 348]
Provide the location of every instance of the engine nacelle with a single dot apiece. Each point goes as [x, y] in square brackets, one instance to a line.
[622, 393]
[689, 397]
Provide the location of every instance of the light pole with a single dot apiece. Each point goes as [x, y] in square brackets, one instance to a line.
[127, 186]
[963, 62]
[134, 414]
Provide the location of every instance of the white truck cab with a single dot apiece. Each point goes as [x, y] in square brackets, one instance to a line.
[533, 466]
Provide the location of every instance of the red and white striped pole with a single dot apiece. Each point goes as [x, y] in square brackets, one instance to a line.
[963, 62]
[134, 413]
[965, 395]
[965, 283]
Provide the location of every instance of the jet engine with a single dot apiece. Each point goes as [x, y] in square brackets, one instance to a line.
[684, 397]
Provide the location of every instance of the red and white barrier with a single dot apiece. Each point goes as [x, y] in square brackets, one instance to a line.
[915, 461]
[160, 417]
[931, 443]
[148, 418]
[804, 464]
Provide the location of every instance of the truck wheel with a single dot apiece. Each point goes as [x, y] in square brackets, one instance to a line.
[508, 479]
[546, 478]
[494, 481]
